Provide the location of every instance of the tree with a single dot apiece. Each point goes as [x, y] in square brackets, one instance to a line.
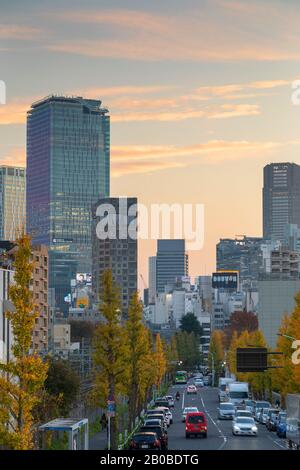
[111, 352]
[188, 347]
[239, 322]
[190, 324]
[62, 382]
[160, 361]
[23, 376]
[216, 352]
[138, 353]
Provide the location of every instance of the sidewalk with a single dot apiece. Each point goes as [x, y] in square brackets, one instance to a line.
[98, 441]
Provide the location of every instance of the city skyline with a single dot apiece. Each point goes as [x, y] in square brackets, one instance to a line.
[181, 112]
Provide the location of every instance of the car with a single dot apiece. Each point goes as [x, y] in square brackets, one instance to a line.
[199, 383]
[272, 419]
[171, 401]
[281, 425]
[206, 380]
[250, 406]
[226, 411]
[195, 424]
[263, 416]
[259, 405]
[188, 409]
[161, 434]
[168, 414]
[162, 401]
[243, 413]
[158, 417]
[242, 426]
[191, 389]
[144, 440]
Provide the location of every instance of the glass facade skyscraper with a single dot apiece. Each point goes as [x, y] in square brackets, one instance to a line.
[12, 202]
[68, 161]
[171, 262]
[281, 199]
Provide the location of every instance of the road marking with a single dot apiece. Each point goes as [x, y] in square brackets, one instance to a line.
[276, 442]
[182, 401]
[213, 421]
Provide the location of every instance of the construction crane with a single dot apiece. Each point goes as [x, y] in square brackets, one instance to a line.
[143, 281]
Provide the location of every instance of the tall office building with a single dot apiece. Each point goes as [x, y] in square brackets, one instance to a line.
[12, 202]
[241, 254]
[171, 262]
[68, 157]
[117, 252]
[152, 279]
[281, 199]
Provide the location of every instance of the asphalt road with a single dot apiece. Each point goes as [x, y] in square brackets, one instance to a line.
[219, 434]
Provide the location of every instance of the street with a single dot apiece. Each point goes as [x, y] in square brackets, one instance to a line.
[219, 435]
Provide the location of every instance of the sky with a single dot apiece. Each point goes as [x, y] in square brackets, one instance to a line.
[199, 94]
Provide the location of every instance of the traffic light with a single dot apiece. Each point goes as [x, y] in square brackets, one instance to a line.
[251, 359]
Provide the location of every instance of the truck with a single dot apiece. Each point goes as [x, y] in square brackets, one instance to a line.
[223, 388]
[238, 392]
[293, 420]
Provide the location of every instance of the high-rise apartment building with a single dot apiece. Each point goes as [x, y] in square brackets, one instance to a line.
[118, 250]
[40, 298]
[12, 202]
[68, 158]
[171, 262]
[281, 199]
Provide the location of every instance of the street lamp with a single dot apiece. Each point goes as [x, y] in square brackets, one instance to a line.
[286, 336]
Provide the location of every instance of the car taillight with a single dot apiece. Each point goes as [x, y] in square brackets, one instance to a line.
[156, 444]
[132, 444]
[205, 428]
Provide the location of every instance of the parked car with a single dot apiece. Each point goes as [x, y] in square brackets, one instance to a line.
[191, 389]
[162, 401]
[171, 401]
[272, 419]
[188, 409]
[168, 414]
[157, 418]
[161, 434]
[195, 424]
[244, 426]
[145, 440]
[226, 411]
[281, 425]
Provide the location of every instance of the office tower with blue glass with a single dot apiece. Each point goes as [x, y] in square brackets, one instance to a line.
[12, 202]
[68, 162]
[171, 263]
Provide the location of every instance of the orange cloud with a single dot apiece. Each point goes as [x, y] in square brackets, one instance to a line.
[19, 32]
[16, 156]
[123, 168]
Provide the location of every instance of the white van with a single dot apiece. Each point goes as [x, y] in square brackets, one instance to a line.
[223, 388]
[238, 392]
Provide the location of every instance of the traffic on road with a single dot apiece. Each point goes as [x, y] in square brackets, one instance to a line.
[197, 416]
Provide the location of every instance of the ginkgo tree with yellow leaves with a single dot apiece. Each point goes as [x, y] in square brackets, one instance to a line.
[23, 376]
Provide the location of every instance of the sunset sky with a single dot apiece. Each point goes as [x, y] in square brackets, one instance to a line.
[199, 94]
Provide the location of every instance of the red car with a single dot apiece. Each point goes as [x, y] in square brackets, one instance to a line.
[196, 424]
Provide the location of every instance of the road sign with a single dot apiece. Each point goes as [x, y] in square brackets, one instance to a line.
[111, 408]
[251, 359]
